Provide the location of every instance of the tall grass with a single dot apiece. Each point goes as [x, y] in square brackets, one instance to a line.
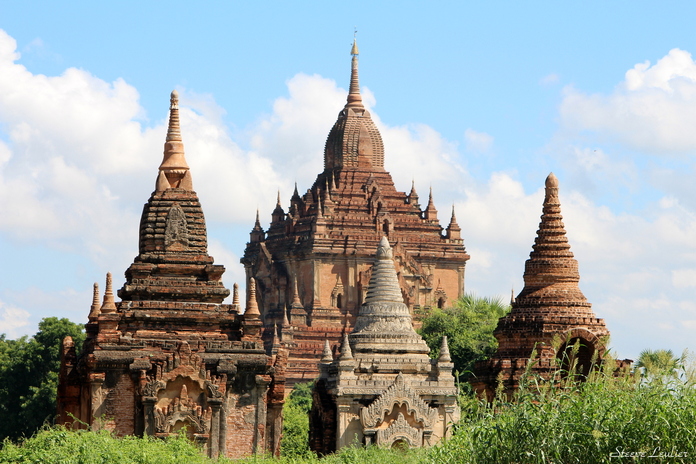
[603, 418]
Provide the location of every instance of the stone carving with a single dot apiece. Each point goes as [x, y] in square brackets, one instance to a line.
[153, 387]
[397, 394]
[400, 429]
[176, 230]
[182, 410]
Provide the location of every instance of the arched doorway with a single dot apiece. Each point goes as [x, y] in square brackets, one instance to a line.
[576, 354]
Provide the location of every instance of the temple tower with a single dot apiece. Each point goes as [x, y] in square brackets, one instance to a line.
[169, 354]
[314, 261]
[550, 306]
[382, 388]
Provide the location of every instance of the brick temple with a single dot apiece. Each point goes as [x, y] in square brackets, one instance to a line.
[170, 355]
[383, 389]
[312, 266]
[550, 310]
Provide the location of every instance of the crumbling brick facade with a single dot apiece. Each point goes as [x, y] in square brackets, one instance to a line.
[313, 264]
[170, 356]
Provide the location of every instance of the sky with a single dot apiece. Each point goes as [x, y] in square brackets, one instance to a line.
[478, 100]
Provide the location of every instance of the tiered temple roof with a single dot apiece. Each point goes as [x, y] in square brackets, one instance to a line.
[316, 256]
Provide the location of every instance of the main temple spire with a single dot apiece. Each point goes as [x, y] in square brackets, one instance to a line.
[354, 97]
[174, 171]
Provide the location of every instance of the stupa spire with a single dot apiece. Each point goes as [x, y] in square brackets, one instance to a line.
[174, 171]
[551, 272]
[354, 97]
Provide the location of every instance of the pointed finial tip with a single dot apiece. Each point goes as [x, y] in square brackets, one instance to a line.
[354, 50]
[175, 95]
[552, 181]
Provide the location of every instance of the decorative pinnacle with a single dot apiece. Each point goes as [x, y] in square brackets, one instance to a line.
[252, 309]
[354, 97]
[94, 309]
[346, 352]
[174, 171]
[235, 295]
[444, 351]
[108, 305]
[278, 200]
[296, 302]
[327, 355]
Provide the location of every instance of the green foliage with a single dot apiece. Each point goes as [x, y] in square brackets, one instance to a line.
[295, 441]
[469, 326]
[606, 418]
[29, 376]
[61, 446]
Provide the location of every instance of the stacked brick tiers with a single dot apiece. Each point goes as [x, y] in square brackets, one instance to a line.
[550, 306]
[313, 263]
[383, 388]
[170, 354]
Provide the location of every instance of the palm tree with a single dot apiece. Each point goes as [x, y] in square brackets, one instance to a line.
[659, 364]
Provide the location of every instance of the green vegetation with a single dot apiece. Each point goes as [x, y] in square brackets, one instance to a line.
[469, 326]
[29, 376]
[605, 419]
[295, 442]
[643, 416]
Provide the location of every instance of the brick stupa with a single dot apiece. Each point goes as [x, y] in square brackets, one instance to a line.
[383, 389]
[550, 306]
[170, 355]
[313, 264]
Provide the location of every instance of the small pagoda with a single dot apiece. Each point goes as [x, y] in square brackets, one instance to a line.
[549, 316]
[382, 388]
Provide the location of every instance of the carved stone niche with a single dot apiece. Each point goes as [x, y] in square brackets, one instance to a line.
[176, 237]
[398, 418]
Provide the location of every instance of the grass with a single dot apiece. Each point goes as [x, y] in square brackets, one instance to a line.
[606, 418]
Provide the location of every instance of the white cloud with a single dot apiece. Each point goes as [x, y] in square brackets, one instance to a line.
[652, 110]
[478, 142]
[12, 319]
[549, 79]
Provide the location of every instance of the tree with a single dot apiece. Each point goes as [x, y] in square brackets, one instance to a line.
[469, 326]
[29, 376]
[660, 365]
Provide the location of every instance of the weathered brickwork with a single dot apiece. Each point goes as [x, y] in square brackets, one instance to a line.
[170, 355]
[383, 389]
[313, 264]
[550, 306]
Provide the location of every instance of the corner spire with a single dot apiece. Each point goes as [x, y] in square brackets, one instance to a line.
[444, 351]
[430, 211]
[354, 97]
[252, 308]
[174, 171]
[327, 355]
[346, 352]
[108, 305]
[94, 309]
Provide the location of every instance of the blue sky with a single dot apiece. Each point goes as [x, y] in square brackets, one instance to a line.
[480, 100]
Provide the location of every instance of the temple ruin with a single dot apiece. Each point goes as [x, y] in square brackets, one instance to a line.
[170, 356]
